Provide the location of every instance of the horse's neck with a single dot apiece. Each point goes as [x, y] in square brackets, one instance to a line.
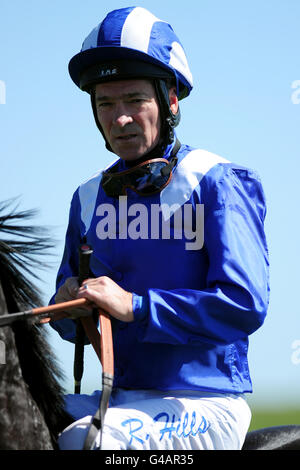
[26, 429]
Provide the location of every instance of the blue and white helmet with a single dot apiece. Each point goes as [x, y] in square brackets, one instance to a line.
[131, 43]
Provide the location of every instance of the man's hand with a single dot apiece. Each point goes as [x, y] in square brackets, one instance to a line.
[101, 292]
[104, 293]
[68, 291]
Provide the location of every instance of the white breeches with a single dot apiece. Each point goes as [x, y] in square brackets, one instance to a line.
[155, 420]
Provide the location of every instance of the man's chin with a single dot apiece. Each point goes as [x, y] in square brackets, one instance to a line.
[132, 149]
[128, 154]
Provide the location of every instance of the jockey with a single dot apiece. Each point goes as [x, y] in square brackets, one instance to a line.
[179, 262]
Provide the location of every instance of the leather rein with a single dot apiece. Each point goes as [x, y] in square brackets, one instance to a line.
[103, 346]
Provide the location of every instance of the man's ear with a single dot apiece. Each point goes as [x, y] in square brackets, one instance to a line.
[173, 99]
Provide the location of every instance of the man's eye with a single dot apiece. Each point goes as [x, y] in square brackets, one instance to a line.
[104, 105]
[137, 100]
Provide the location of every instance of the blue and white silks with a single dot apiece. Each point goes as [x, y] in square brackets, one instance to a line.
[194, 308]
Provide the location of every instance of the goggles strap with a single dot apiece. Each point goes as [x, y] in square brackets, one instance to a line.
[168, 168]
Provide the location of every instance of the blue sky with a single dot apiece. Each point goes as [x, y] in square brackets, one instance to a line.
[244, 56]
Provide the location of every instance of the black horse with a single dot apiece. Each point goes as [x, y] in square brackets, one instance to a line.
[31, 397]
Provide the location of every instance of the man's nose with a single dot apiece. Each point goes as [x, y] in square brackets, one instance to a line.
[122, 116]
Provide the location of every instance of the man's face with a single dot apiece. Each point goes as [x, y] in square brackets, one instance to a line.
[128, 113]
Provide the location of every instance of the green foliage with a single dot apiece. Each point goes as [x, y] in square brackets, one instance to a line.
[262, 418]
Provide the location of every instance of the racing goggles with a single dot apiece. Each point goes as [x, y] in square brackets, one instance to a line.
[146, 178]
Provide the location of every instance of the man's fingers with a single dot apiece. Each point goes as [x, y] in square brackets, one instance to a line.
[87, 292]
[70, 314]
[109, 296]
[54, 317]
[68, 291]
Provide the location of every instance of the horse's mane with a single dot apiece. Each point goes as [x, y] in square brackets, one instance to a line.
[21, 247]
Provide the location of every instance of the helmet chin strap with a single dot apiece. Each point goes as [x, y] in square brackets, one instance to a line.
[168, 119]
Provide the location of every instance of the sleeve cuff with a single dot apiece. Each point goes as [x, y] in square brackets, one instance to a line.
[140, 306]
